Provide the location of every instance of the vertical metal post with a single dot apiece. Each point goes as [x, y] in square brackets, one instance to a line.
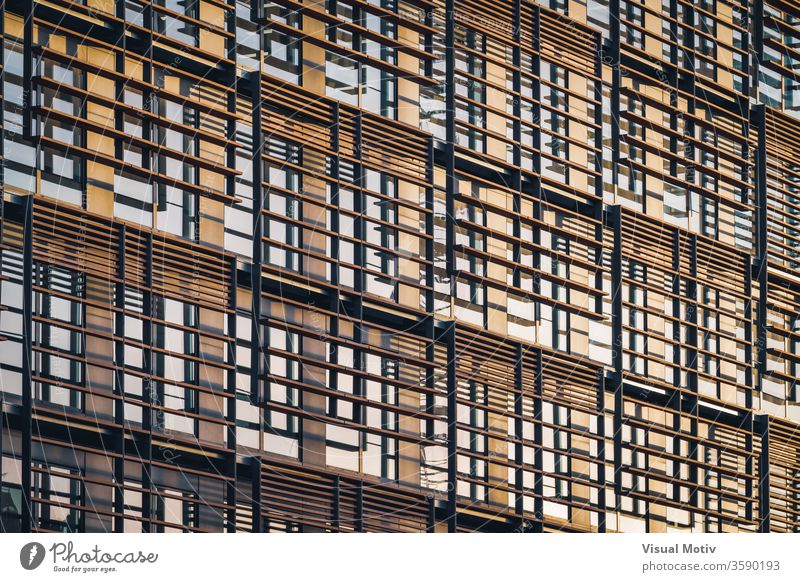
[451, 185]
[230, 153]
[692, 315]
[601, 450]
[762, 244]
[359, 231]
[615, 58]
[430, 307]
[258, 245]
[519, 473]
[538, 454]
[119, 383]
[334, 304]
[2, 427]
[359, 506]
[230, 457]
[337, 496]
[749, 442]
[27, 364]
[762, 422]
[452, 430]
[757, 27]
[618, 348]
[146, 452]
[27, 70]
[255, 493]
[431, 514]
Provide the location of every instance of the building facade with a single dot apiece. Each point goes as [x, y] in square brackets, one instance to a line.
[400, 265]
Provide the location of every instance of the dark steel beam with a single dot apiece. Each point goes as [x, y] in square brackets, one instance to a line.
[27, 364]
[764, 525]
[119, 383]
[255, 494]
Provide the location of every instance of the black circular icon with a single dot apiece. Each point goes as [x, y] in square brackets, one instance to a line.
[31, 555]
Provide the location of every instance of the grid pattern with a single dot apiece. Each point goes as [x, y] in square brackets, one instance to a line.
[399, 265]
